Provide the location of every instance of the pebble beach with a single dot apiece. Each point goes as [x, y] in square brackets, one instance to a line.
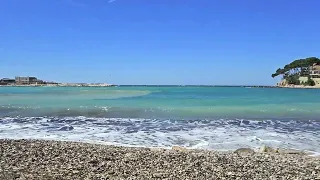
[40, 159]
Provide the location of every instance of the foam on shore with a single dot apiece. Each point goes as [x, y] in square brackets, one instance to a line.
[220, 134]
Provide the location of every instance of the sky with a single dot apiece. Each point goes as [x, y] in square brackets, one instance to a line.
[207, 42]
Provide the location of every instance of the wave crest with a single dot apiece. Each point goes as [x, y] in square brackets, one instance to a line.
[220, 134]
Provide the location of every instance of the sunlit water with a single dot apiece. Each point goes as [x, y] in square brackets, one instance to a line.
[195, 117]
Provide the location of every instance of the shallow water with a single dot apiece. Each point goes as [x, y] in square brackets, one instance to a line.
[196, 117]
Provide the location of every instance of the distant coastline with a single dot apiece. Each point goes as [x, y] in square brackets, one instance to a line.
[298, 86]
[113, 85]
[61, 85]
[35, 82]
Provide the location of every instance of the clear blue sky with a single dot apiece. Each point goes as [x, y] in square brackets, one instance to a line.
[156, 41]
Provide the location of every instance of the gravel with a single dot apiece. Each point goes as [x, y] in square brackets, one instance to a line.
[38, 159]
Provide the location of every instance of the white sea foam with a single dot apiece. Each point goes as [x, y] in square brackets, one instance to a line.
[215, 134]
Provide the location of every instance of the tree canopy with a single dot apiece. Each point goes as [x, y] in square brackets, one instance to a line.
[297, 67]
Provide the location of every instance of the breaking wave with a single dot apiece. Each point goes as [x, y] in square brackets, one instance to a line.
[217, 134]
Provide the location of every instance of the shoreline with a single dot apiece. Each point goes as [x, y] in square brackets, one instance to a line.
[41, 159]
[113, 85]
[299, 87]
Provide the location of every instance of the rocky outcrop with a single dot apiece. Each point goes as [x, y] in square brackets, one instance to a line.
[267, 149]
[245, 151]
[282, 83]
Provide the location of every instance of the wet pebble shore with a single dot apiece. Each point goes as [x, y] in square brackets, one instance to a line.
[38, 159]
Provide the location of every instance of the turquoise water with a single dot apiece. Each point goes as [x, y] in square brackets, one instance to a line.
[196, 117]
[161, 102]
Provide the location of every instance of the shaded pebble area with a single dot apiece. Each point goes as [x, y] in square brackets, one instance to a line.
[39, 159]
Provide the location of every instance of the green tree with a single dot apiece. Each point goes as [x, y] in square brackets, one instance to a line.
[293, 79]
[310, 82]
[297, 67]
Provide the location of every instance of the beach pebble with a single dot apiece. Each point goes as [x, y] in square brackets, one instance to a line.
[38, 159]
[244, 151]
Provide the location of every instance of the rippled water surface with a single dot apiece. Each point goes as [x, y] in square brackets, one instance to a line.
[196, 117]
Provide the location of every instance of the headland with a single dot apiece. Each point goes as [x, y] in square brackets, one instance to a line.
[301, 73]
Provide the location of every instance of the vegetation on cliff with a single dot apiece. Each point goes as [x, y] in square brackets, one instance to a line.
[298, 68]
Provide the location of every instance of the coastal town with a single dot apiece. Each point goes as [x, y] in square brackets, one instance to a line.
[34, 81]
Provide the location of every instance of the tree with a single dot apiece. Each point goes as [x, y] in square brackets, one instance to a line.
[310, 82]
[293, 79]
[297, 67]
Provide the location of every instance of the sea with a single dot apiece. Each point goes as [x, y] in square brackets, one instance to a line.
[197, 117]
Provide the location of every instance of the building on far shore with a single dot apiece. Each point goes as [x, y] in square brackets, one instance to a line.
[27, 80]
[315, 71]
[33, 81]
[7, 81]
